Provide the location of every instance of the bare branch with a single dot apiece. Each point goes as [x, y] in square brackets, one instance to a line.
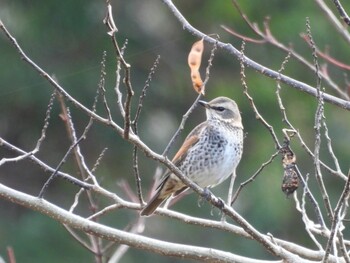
[334, 20]
[254, 65]
[55, 173]
[342, 12]
[44, 166]
[318, 123]
[258, 116]
[134, 240]
[336, 220]
[252, 178]
[127, 80]
[117, 82]
[101, 85]
[268, 37]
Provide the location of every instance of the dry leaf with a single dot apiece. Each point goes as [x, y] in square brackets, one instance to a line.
[194, 62]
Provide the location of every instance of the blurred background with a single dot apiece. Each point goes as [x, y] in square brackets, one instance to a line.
[67, 39]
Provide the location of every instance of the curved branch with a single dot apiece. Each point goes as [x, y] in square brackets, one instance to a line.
[122, 237]
[254, 65]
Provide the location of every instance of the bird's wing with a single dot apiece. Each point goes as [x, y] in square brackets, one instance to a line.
[190, 141]
[170, 184]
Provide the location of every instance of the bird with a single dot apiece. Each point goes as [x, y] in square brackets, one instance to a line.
[209, 155]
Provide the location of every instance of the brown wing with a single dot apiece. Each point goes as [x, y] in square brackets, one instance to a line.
[170, 184]
[181, 154]
[189, 142]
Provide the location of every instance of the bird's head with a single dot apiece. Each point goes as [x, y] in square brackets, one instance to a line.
[224, 109]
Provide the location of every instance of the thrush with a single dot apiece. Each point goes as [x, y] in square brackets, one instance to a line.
[209, 154]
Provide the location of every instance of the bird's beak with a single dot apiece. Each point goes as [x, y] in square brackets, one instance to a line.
[204, 104]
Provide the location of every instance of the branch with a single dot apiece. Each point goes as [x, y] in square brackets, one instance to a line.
[44, 166]
[342, 12]
[334, 20]
[252, 64]
[109, 21]
[122, 237]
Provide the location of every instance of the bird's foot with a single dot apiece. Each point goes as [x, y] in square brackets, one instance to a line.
[206, 193]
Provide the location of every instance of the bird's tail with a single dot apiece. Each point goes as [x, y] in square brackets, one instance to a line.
[152, 205]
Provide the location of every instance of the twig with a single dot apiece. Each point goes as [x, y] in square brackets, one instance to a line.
[44, 166]
[252, 64]
[325, 56]
[46, 123]
[252, 178]
[306, 191]
[318, 124]
[76, 200]
[103, 211]
[79, 160]
[101, 85]
[244, 38]
[98, 161]
[334, 20]
[109, 21]
[258, 116]
[135, 128]
[342, 12]
[337, 218]
[268, 37]
[55, 173]
[144, 90]
[78, 238]
[39, 141]
[80, 156]
[117, 82]
[301, 208]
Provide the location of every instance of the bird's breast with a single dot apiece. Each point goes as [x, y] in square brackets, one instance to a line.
[214, 157]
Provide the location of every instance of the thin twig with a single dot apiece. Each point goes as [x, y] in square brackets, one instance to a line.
[135, 128]
[258, 116]
[253, 177]
[46, 123]
[325, 56]
[78, 238]
[99, 159]
[109, 21]
[55, 174]
[334, 20]
[101, 85]
[117, 82]
[44, 166]
[337, 218]
[268, 37]
[329, 145]
[306, 191]
[95, 241]
[39, 141]
[318, 125]
[301, 208]
[144, 90]
[342, 12]
[103, 211]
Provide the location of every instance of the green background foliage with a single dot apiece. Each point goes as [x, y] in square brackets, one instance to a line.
[67, 39]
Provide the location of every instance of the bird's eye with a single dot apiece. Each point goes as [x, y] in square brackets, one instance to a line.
[221, 109]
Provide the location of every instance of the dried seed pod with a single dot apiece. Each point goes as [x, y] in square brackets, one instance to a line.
[194, 62]
[290, 181]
